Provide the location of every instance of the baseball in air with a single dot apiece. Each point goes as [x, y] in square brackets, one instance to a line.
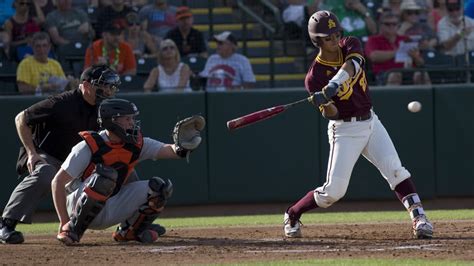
[414, 106]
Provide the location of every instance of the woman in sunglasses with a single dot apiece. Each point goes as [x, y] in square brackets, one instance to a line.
[171, 73]
[20, 25]
[141, 41]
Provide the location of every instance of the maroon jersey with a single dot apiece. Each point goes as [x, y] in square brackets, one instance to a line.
[353, 98]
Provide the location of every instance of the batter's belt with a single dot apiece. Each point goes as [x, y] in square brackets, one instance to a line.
[358, 118]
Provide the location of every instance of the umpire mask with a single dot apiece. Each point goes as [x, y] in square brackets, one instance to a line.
[110, 110]
[102, 78]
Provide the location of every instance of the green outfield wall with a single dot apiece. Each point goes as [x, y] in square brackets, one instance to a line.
[282, 158]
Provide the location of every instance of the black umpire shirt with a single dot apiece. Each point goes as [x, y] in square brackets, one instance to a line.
[57, 120]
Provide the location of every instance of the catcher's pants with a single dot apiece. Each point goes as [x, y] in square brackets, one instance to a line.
[27, 195]
[347, 141]
[118, 208]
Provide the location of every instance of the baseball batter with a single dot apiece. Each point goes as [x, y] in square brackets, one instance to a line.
[91, 190]
[337, 82]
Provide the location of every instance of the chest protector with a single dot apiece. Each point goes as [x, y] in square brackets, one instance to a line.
[122, 157]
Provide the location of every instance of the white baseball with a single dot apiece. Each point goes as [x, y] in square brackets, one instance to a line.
[414, 106]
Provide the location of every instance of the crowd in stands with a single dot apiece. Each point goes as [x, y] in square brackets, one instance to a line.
[399, 36]
[39, 37]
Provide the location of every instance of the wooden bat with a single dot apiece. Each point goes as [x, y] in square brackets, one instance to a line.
[261, 115]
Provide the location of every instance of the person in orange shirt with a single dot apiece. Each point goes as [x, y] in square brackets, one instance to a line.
[111, 50]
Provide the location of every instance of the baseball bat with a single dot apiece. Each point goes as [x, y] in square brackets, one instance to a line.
[261, 115]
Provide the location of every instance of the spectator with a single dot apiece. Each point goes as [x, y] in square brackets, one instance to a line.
[356, 19]
[158, 18]
[17, 25]
[68, 24]
[437, 12]
[413, 26]
[136, 5]
[43, 8]
[112, 51]
[452, 30]
[6, 10]
[392, 6]
[27, 50]
[469, 8]
[381, 50]
[295, 16]
[39, 74]
[4, 44]
[141, 41]
[114, 13]
[189, 40]
[171, 73]
[227, 69]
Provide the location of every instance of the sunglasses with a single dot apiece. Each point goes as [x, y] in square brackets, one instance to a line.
[24, 3]
[412, 12]
[133, 24]
[453, 8]
[167, 48]
[390, 24]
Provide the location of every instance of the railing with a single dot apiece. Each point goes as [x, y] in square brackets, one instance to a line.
[247, 12]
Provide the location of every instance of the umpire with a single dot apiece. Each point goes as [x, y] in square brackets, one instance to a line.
[48, 130]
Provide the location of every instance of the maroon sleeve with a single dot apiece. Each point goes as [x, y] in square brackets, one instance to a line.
[352, 47]
[315, 79]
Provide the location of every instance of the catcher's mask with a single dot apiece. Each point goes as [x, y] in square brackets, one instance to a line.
[100, 76]
[322, 24]
[110, 110]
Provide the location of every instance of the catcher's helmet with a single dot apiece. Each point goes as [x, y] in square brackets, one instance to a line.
[322, 24]
[101, 75]
[110, 109]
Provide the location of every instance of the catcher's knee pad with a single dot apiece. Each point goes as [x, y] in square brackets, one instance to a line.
[159, 192]
[98, 189]
[327, 195]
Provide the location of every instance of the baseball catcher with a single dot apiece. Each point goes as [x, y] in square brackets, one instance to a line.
[92, 188]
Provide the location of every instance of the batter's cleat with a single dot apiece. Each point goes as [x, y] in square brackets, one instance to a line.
[422, 228]
[292, 228]
[8, 234]
[159, 229]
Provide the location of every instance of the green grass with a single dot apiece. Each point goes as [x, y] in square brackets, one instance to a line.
[277, 219]
[362, 262]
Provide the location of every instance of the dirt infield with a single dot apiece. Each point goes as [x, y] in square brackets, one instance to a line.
[454, 240]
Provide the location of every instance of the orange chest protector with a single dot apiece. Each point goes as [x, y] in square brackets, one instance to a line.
[122, 157]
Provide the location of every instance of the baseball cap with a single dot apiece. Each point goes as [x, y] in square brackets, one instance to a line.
[452, 5]
[183, 12]
[113, 28]
[409, 5]
[225, 36]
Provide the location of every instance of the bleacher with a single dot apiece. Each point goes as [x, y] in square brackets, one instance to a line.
[244, 19]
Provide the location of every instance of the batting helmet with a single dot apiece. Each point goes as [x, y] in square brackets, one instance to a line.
[322, 24]
[110, 109]
[101, 75]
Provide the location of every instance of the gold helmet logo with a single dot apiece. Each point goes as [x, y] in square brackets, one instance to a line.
[331, 24]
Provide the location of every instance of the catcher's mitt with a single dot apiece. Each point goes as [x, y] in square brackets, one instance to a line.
[187, 134]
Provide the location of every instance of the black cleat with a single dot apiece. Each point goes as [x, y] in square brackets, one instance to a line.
[8, 234]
